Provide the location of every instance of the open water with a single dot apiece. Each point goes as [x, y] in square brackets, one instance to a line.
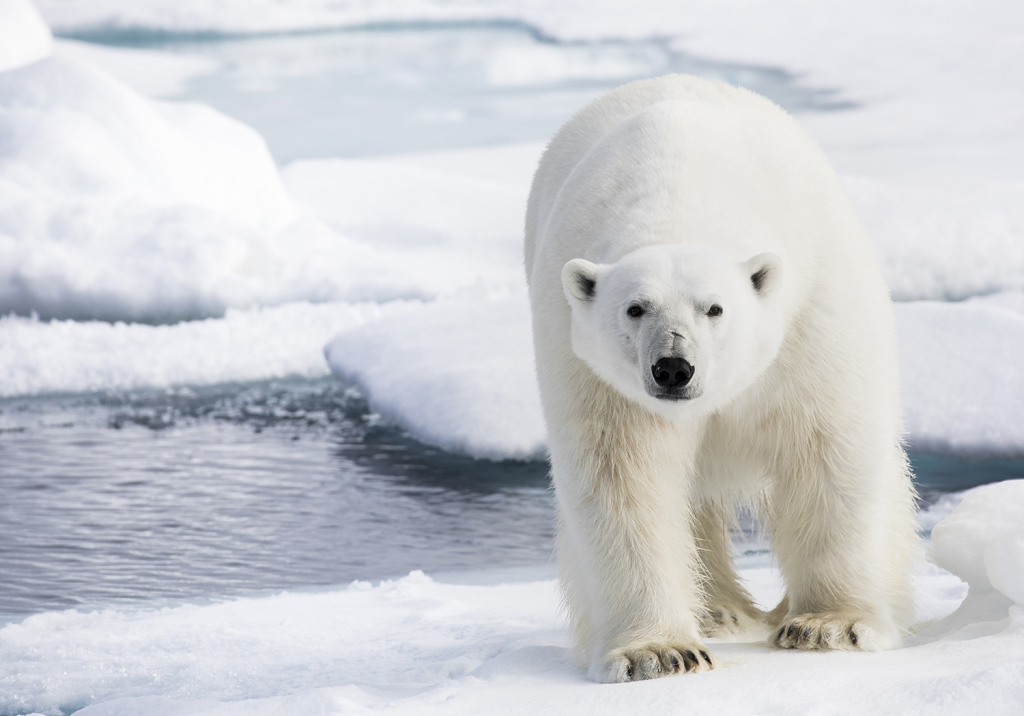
[126, 498]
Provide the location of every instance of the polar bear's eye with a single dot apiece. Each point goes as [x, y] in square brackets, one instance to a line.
[715, 310]
[635, 311]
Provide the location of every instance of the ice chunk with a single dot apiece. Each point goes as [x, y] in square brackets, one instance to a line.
[115, 206]
[982, 541]
[456, 373]
[24, 36]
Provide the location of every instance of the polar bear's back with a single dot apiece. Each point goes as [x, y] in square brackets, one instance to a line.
[588, 126]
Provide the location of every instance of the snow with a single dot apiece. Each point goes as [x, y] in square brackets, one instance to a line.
[981, 540]
[435, 230]
[24, 36]
[118, 207]
[960, 372]
[455, 373]
[150, 72]
[420, 645]
[115, 206]
[932, 154]
[252, 344]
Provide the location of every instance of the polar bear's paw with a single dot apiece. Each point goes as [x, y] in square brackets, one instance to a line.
[825, 631]
[654, 660]
[727, 621]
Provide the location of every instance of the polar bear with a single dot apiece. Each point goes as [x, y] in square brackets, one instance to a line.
[711, 328]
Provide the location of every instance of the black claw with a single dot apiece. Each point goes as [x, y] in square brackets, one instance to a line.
[690, 660]
[805, 635]
[706, 657]
[853, 635]
[629, 671]
[675, 662]
[778, 637]
[791, 631]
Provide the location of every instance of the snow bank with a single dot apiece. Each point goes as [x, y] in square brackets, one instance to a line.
[415, 645]
[455, 373]
[117, 207]
[982, 543]
[24, 37]
[960, 369]
[944, 228]
[114, 206]
[255, 344]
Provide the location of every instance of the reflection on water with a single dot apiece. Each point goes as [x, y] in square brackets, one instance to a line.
[232, 489]
[414, 87]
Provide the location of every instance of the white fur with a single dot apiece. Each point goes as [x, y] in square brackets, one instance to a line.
[670, 195]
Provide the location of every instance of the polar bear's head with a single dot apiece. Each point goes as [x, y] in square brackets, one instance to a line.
[679, 328]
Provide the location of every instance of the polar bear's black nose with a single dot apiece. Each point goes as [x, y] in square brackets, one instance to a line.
[670, 372]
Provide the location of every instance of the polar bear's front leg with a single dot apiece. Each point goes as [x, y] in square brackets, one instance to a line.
[843, 541]
[627, 554]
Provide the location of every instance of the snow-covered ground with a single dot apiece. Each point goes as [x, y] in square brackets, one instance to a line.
[416, 645]
[115, 205]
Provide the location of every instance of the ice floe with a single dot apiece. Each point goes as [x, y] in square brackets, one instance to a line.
[963, 390]
[417, 645]
[455, 373]
[64, 356]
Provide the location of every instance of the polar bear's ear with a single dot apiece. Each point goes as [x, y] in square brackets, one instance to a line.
[765, 271]
[579, 280]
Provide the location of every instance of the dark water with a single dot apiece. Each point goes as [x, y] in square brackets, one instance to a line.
[233, 489]
[395, 88]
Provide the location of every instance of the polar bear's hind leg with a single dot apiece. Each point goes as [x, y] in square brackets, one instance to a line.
[729, 611]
